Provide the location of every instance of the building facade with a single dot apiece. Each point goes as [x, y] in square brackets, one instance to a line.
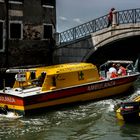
[29, 27]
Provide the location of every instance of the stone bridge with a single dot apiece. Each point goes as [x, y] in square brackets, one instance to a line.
[94, 42]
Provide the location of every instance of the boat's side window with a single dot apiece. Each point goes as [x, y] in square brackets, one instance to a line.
[41, 78]
[33, 76]
[53, 81]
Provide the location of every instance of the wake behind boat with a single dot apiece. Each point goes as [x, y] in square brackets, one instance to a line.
[10, 115]
[50, 86]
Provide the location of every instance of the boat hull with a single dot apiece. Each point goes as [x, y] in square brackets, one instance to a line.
[129, 111]
[81, 93]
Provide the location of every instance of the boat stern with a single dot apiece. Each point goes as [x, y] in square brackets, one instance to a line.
[11, 103]
[129, 111]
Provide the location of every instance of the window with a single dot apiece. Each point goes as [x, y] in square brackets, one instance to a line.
[33, 76]
[15, 30]
[53, 81]
[1, 35]
[48, 31]
[48, 3]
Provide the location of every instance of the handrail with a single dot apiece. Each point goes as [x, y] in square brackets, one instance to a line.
[83, 30]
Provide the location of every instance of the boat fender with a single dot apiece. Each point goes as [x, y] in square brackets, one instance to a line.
[6, 88]
[18, 89]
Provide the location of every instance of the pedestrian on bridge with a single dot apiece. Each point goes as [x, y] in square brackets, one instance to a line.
[110, 17]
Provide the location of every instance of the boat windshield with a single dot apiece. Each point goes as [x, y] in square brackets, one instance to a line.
[104, 68]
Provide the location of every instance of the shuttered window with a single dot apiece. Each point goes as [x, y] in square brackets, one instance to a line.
[48, 31]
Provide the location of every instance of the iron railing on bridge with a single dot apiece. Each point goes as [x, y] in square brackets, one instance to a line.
[83, 30]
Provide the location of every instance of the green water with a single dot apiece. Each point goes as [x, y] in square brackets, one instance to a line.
[89, 121]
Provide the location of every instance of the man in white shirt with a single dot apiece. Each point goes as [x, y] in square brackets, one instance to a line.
[112, 69]
[112, 72]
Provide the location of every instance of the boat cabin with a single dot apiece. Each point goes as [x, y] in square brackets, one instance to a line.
[57, 76]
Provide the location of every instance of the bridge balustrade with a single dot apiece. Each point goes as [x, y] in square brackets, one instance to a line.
[84, 30]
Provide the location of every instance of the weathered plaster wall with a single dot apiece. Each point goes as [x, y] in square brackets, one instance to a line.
[31, 49]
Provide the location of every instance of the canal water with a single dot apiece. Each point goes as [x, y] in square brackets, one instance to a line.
[89, 121]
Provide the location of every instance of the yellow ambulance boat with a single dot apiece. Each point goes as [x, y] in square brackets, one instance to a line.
[38, 88]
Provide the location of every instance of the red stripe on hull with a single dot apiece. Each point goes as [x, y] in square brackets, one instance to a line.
[9, 99]
[77, 90]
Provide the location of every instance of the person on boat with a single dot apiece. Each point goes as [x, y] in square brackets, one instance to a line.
[113, 71]
[121, 70]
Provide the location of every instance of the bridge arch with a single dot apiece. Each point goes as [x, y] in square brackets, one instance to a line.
[116, 34]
